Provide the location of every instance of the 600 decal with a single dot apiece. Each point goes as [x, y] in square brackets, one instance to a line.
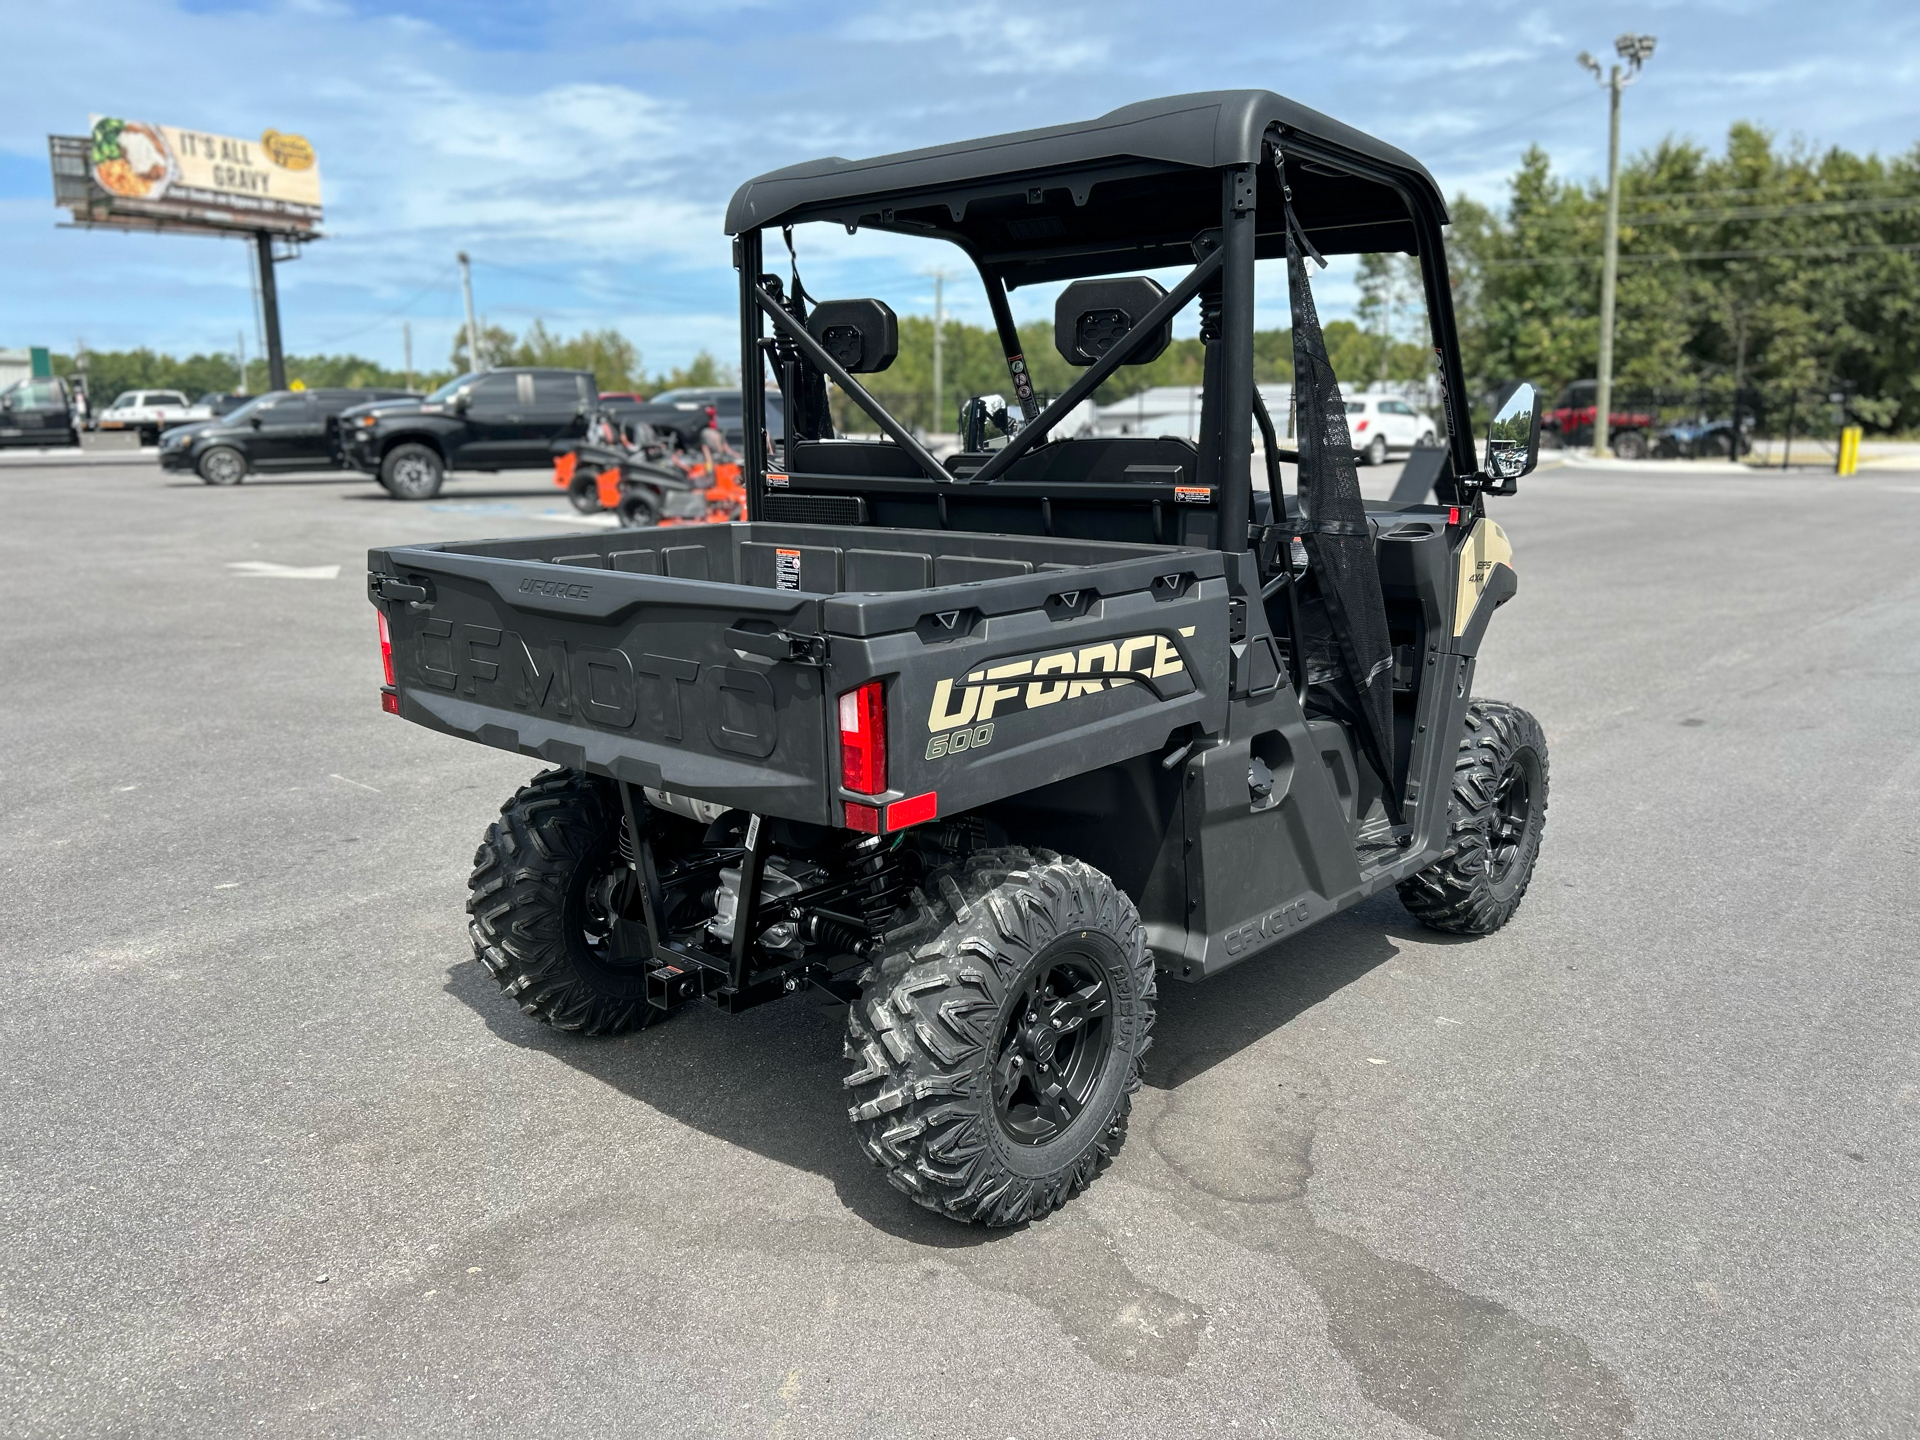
[976, 738]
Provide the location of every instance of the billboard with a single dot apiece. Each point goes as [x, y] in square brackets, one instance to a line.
[134, 172]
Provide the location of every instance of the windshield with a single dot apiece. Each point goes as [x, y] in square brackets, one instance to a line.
[447, 391]
[247, 410]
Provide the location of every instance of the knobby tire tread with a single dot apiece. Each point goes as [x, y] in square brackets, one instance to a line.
[921, 1033]
[1457, 893]
[516, 902]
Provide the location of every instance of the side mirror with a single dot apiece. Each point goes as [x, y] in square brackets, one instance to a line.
[863, 335]
[462, 402]
[255, 421]
[1513, 438]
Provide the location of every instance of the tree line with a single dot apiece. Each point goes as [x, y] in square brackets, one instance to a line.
[1783, 271]
[1774, 270]
[610, 355]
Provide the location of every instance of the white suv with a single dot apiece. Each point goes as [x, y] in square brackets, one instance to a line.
[1380, 423]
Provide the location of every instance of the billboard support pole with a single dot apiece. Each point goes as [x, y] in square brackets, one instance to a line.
[270, 309]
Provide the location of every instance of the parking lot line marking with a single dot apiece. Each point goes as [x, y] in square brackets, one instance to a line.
[354, 783]
[268, 570]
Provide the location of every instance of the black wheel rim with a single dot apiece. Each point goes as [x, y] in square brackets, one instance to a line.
[1513, 811]
[1053, 1045]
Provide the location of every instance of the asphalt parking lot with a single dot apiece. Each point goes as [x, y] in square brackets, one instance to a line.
[277, 1156]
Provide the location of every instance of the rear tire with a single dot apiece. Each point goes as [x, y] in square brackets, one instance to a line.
[1000, 1043]
[412, 472]
[540, 902]
[1377, 451]
[1629, 445]
[1497, 814]
[223, 465]
[584, 492]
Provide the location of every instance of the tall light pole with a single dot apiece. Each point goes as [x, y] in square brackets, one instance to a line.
[1635, 50]
[473, 330]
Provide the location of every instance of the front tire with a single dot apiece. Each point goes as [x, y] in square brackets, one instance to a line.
[412, 472]
[223, 465]
[1497, 815]
[998, 1049]
[1629, 445]
[584, 494]
[541, 902]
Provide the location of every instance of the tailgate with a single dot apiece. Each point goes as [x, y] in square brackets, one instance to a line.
[653, 679]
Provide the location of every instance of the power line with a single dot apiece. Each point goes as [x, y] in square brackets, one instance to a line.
[574, 284]
[1688, 257]
[1750, 190]
[1503, 125]
[1776, 212]
[438, 283]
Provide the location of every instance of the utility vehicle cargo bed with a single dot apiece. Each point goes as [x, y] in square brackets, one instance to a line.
[707, 660]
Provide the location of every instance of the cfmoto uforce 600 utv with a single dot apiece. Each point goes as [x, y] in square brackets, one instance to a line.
[989, 745]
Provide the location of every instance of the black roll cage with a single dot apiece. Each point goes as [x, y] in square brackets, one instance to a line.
[1228, 253]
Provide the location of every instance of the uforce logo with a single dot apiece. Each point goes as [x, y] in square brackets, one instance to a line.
[964, 722]
[559, 588]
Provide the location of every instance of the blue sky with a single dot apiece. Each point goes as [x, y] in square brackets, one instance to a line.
[583, 152]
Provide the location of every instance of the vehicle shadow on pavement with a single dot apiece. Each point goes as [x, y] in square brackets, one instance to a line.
[177, 481]
[1201, 1025]
[770, 1079]
[454, 491]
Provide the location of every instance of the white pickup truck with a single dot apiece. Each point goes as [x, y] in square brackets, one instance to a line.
[150, 412]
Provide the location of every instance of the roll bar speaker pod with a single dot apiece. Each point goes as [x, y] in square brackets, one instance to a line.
[863, 335]
[1091, 316]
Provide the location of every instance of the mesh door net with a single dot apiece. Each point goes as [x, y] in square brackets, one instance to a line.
[1339, 543]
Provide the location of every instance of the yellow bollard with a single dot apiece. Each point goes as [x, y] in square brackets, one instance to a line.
[1848, 460]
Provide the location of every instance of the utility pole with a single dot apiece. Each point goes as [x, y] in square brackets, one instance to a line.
[406, 336]
[473, 330]
[1635, 50]
[939, 338]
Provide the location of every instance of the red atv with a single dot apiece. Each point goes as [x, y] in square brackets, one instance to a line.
[1570, 424]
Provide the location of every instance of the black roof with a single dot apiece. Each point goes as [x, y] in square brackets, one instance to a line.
[1128, 190]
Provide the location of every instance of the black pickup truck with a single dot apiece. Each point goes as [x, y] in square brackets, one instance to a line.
[506, 419]
[987, 746]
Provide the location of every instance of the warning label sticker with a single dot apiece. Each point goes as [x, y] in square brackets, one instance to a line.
[776, 481]
[786, 569]
[1193, 494]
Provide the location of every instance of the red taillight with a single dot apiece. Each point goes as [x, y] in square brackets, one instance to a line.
[389, 702]
[863, 739]
[864, 818]
[1453, 515]
[386, 648]
[1358, 428]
